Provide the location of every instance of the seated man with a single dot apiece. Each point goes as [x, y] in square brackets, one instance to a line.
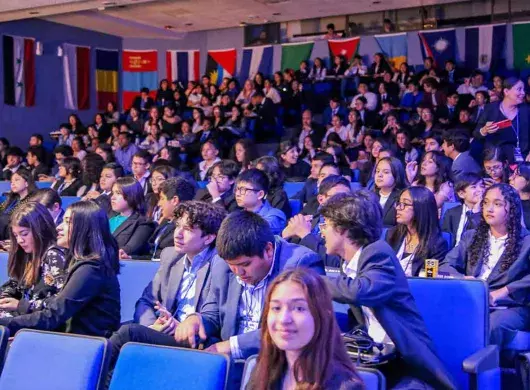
[253, 257]
[14, 157]
[182, 282]
[220, 188]
[36, 158]
[327, 169]
[375, 286]
[252, 186]
[309, 191]
[456, 146]
[304, 229]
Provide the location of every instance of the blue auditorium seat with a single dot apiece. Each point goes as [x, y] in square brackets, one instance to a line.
[296, 206]
[5, 186]
[355, 186]
[4, 339]
[448, 238]
[202, 184]
[292, 187]
[373, 379]
[134, 277]
[3, 267]
[446, 206]
[47, 360]
[43, 184]
[68, 200]
[456, 313]
[142, 366]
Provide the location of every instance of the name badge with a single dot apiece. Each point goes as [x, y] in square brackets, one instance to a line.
[517, 155]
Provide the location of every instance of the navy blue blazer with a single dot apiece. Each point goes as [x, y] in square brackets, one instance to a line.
[166, 283]
[133, 235]
[382, 286]
[451, 220]
[516, 278]
[465, 163]
[220, 311]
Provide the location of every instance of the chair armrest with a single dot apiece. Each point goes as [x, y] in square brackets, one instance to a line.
[485, 359]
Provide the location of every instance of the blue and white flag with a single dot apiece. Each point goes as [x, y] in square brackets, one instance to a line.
[256, 59]
[439, 44]
[486, 47]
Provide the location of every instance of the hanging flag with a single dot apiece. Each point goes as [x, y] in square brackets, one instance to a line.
[19, 71]
[221, 64]
[140, 69]
[439, 44]
[256, 59]
[107, 65]
[343, 47]
[182, 65]
[394, 47]
[76, 77]
[521, 45]
[486, 47]
[294, 53]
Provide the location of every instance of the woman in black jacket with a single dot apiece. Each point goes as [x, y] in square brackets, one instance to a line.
[70, 183]
[417, 235]
[89, 302]
[129, 226]
[389, 180]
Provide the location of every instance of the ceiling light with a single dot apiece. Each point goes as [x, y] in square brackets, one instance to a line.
[376, 2]
[188, 24]
[34, 12]
[242, 24]
[169, 27]
[276, 13]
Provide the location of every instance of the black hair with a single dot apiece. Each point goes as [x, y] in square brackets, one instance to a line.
[178, 186]
[523, 169]
[46, 197]
[243, 233]
[358, 214]
[144, 90]
[15, 151]
[256, 178]
[227, 168]
[90, 237]
[324, 157]
[458, 139]
[331, 182]
[65, 150]
[397, 170]
[443, 174]
[38, 151]
[38, 136]
[93, 165]
[271, 167]
[133, 193]
[143, 154]
[204, 216]
[362, 99]
[108, 150]
[332, 165]
[116, 168]
[4, 141]
[465, 180]
[72, 165]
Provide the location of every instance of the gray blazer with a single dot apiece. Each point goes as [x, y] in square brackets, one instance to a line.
[220, 311]
[382, 286]
[166, 283]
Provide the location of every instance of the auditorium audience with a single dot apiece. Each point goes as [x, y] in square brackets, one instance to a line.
[52, 201]
[69, 181]
[276, 196]
[220, 187]
[298, 304]
[89, 302]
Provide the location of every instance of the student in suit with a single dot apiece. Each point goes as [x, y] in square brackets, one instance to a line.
[251, 189]
[52, 201]
[375, 283]
[141, 162]
[220, 187]
[497, 252]
[69, 182]
[310, 190]
[328, 169]
[14, 157]
[129, 226]
[36, 158]
[456, 146]
[229, 320]
[144, 102]
[109, 175]
[367, 118]
[210, 155]
[305, 230]
[417, 235]
[334, 108]
[183, 281]
[457, 220]
[277, 196]
[390, 180]
[298, 302]
[89, 302]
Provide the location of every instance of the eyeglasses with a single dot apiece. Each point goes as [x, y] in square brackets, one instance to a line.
[218, 177]
[244, 190]
[322, 225]
[493, 168]
[402, 205]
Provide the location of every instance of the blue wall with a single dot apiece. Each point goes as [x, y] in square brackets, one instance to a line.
[17, 124]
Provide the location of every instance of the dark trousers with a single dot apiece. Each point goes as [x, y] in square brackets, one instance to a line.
[504, 324]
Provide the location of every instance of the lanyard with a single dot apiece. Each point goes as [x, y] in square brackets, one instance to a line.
[515, 130]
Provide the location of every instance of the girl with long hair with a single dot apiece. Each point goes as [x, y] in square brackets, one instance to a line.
[292, 167]
[89, 302]
[417, 235]
[69, 182]
[389, 180]
[36, 265]
[158, 176]
[497, 252]
[244, 152]
[277, 196]
[433, 173]
[301, 345]
[22, 186]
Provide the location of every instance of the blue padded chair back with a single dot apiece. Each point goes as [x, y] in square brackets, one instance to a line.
[296, 206]
[141, 366]
[68, 200]
[373, 379]
[292, 187]
[448, 237]
[47, 360]
[3, 267]
[202, 184]
[446, 206]
[355, 186]
[134, 277]
[4, 338]
[456, 314]
[5, 186]
[43, 184]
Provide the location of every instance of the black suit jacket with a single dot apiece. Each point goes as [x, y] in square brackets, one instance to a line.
[41, 169]
[71, 190]
[389, 211]
[381, 285]
[89, 304]
[516, 278]
[137, 103]
[451, 220]
[505, 138]
[228, 200]
[133, 235]
[161, 238]
[436, 251]
[278, 199]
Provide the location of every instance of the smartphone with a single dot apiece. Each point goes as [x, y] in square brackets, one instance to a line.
[503, 124]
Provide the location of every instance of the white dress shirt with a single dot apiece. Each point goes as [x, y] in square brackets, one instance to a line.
[462, 223]
[375, 330]
[497, 246]
[371, 100]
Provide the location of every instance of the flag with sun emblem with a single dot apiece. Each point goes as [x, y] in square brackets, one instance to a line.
[19, 71]
[221, 64]
[439, 44]
[344, 47]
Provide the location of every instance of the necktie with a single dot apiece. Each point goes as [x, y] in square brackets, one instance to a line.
[469, 215]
